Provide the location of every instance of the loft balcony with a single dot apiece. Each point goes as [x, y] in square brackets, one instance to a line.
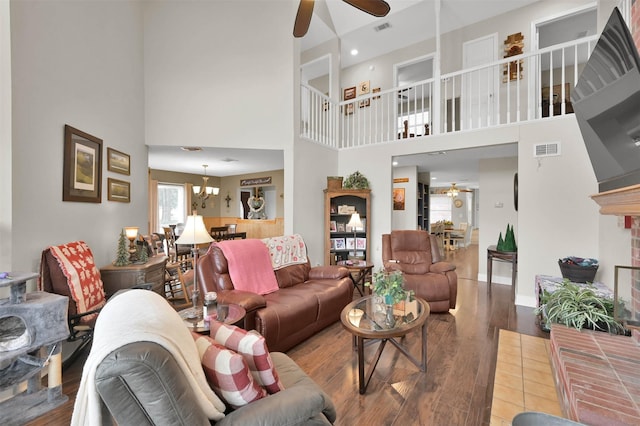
[531, 86]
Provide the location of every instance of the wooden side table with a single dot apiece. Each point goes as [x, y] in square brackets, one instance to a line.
[116, 278]
[358, 270]
[503, 256]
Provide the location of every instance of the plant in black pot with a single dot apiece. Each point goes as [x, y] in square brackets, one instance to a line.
[578, 269]
[578, 307]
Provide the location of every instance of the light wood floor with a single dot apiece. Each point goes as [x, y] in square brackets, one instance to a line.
[457, 387]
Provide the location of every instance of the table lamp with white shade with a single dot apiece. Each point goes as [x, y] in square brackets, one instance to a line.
[194, 233]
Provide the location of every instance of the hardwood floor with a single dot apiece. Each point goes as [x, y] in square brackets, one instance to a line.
[456, 389]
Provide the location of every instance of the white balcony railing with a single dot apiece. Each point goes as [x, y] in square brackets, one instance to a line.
[507, 91]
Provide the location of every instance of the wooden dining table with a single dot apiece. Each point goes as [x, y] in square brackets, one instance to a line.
[448, 242]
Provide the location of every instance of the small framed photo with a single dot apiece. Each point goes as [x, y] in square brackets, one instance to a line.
[365, 103]
[340, 227]
[332, 226]
[350, 243]
[363, 87]
[349, 108]
[376, 90]
[118, 190]
[349, 93]
[118, 162]
[361, 243]
[339, 244]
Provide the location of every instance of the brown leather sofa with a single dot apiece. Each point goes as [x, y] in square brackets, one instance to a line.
[416, 254]
[308, 300]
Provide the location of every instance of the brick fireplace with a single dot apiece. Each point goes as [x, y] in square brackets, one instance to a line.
[598, 374]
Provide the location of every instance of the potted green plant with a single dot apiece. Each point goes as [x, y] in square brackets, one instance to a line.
[578, 307]
[356, 180]
[389, 286]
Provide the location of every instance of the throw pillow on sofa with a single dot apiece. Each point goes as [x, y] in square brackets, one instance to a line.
[253, 347]
[227, 373]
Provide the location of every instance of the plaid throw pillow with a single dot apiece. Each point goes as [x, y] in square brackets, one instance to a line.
[252, 346]
[227, 373]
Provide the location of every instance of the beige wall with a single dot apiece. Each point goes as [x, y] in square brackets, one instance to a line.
[217, 206]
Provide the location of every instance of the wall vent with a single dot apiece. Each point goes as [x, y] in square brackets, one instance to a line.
[382, 27]
[546, 149]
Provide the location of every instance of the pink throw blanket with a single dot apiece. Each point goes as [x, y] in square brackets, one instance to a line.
[249, 265]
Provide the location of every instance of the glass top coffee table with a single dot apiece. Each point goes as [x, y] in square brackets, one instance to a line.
[369, 318]
[193, 319]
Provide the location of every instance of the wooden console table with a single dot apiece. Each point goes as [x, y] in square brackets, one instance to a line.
[116, 278]
[503, 256]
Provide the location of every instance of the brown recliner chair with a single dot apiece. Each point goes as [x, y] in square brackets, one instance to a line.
[416, 254]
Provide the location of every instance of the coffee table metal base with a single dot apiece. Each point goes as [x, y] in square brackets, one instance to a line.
[422, 364]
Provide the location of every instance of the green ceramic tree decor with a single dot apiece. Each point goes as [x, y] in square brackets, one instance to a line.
[143, 254]
[122, 255]
[509, 242]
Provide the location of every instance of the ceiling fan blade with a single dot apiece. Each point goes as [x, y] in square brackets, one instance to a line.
[303, 18]
[377, 8]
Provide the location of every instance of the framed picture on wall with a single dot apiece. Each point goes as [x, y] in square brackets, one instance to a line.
[332, 226]
[398, 198]
[118, 190]
[118, 162]
[82, 168]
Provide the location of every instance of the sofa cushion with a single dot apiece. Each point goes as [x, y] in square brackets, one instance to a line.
[292, 275]
[252, 346]
[227, 372]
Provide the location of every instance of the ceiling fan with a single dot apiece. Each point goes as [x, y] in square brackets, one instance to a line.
[376, 8]
[453, 190]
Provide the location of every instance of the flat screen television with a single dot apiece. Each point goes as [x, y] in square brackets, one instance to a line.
[606, 102]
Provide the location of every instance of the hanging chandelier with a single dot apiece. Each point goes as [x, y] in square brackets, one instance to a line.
[453, 191]
[203, 192]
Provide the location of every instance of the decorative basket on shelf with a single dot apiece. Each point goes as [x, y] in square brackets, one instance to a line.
[578, 270]
[334, 183]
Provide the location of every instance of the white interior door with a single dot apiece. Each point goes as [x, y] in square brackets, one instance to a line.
[479, 87]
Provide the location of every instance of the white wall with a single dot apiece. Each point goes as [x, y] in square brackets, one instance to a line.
[556, 216]
[5, 138]
[311, 166]
[407, 218]
[498, 210]
[219, 74]
[76, 63]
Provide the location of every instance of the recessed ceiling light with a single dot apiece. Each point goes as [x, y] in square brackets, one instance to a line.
[354, 52]
[434, 178]
[395, 163]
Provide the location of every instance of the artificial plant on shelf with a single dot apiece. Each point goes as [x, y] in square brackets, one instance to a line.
[356, 180]
[122, 253]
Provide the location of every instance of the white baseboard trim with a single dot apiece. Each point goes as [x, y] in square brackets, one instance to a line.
[496, 279]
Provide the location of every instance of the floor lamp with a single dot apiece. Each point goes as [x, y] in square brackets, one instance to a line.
[194, 233]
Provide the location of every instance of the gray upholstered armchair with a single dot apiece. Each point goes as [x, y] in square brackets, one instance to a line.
[142, 381]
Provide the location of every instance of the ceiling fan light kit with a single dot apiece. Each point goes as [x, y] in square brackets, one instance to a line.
[377, 8]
